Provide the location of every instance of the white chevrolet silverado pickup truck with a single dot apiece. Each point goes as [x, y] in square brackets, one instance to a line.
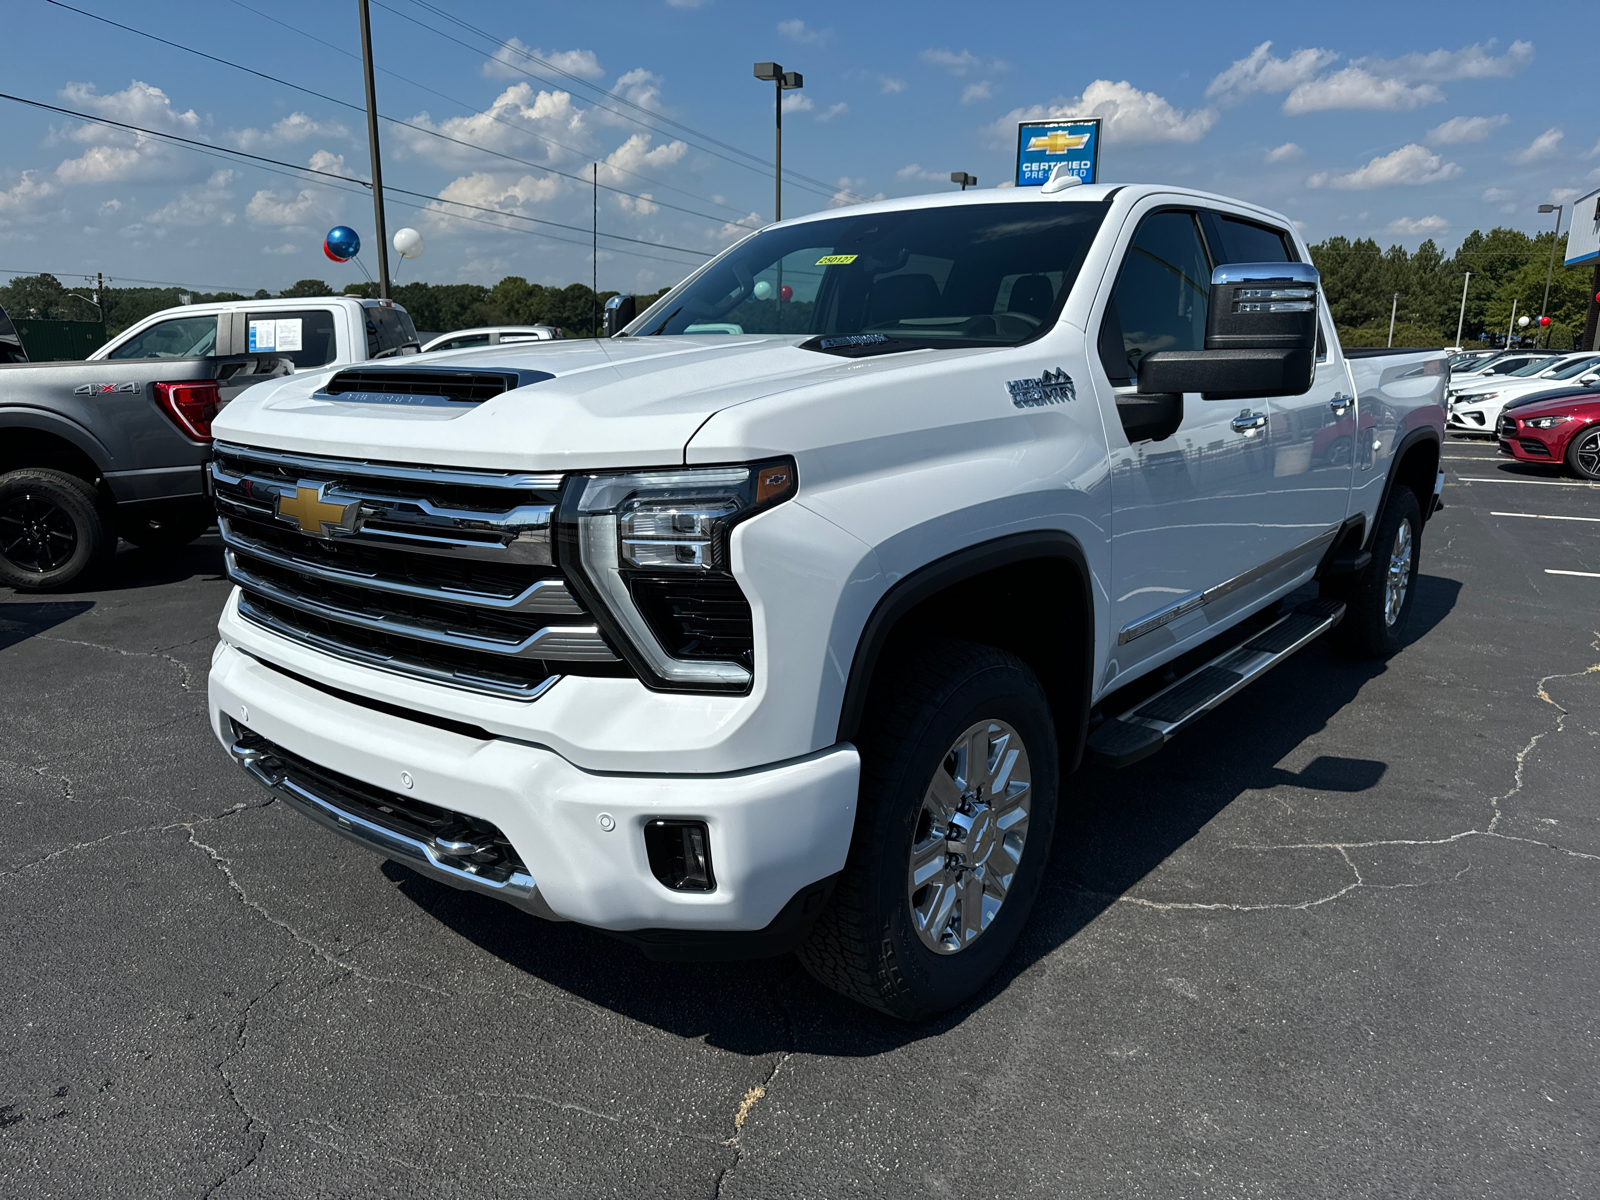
[783, 636]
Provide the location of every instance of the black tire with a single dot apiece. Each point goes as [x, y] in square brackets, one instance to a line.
[167, 529]
[1372, 627]
[54, 530]
[866, 944]
[1583, 453]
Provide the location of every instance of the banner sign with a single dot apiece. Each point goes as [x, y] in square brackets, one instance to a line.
[1583, 235]
[1042, 146]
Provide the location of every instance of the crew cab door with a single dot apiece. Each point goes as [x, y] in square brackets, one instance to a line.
[1313, 439]
[1190, 514]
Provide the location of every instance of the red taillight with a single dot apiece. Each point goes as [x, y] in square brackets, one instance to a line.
[191, 406]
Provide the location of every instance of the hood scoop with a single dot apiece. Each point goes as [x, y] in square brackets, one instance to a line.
[424, 387]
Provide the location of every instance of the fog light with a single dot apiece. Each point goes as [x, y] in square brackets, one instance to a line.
[680, 855]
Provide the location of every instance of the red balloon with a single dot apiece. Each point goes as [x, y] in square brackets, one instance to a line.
[786, 292]
[1597, 297]
[1544, 320]
[328, 250]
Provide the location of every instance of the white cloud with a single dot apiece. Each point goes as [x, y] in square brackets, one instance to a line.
[734, 230]
[890, 86]
[1131, 116]
[1546, 145]
[1593, 150]
[850, 192]
[312, 206]
[797, 30]
[1442, 66]
[1407, 227]
[1495, 195]
[115, 154]
[833, 110]
[138, 104]
[794, 102]
[633, 155]
[205, 205]
[112, 164]
[109, 207]
[26, 196]
[512, 60]
[1465, 129]
[1260, 71]
[296, 127]
[975, 92]
[641, 87]
[916, 172]
[1564, 195]
[326, 160]
[964, 63]
[501, 127]
[1287, 152]
[499, 192]
[285, 248]
[1411, 164]
[1355, 88]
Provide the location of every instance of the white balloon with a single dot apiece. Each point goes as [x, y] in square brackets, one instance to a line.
[408, 242]
[763, 290]
[1522, 321]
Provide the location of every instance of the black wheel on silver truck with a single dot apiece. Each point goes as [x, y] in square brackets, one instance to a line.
[167, 528]
[54, 530]
[953, 826]
[1378, 599]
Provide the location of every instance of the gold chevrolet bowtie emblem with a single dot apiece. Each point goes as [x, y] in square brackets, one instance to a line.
[1058, 142]
[312, 513]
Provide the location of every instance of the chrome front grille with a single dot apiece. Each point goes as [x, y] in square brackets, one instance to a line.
[439, 573]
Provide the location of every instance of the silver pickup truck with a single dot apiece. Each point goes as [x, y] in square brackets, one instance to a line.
[118, 444]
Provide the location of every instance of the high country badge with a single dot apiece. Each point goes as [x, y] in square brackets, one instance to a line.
[1053, 387]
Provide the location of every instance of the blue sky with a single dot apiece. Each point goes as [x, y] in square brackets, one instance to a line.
[1380, 121]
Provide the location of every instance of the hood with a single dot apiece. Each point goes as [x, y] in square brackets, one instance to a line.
[618, 402]
[1579, 402]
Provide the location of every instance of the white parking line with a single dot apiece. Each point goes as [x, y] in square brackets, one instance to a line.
[1545, 517]
[1536, 482]
[1584, 574]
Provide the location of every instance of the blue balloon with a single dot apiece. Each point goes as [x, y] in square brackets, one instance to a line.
[342, 243]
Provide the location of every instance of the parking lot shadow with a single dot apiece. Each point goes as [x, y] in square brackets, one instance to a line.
[1114, 829]
[136, 567]
[20, 620]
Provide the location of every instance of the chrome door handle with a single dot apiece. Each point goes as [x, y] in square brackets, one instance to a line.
[1340, 404]
[1247, 420]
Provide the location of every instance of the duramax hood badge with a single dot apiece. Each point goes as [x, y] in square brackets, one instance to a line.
[1053, 387]
[314, 515]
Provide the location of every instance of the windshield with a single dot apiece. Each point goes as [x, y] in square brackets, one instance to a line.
[1574, 368]
[1532, 368]
[973, 275]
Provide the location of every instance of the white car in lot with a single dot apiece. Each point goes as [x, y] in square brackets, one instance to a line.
[493, 335]
[1476, 407]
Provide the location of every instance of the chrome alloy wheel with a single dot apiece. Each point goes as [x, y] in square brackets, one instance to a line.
[1399, 577]
[1588, 455]
[969, 836]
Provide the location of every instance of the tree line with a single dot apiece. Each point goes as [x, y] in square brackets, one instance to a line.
[1358, 278]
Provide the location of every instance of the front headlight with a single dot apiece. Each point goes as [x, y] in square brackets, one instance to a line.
[1546, 422]
[648, 553]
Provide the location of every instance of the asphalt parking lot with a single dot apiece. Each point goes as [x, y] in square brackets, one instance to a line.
[1338, 940]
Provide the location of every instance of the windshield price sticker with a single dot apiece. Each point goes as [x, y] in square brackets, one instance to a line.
[836, 260]
[284, 334]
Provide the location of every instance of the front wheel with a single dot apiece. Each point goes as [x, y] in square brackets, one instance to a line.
[1583, 453]
[953, 826]
[1378, 600]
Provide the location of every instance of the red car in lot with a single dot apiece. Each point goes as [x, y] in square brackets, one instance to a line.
[1563, 430]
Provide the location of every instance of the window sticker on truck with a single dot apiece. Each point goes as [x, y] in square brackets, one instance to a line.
[836, 260]
[285, 334]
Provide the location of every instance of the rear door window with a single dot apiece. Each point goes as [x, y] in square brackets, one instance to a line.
[181, 337]
[389, 331]
[1234, 240]
[305, 337]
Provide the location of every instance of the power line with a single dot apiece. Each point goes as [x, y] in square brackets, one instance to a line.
[110, 279]
[392, 120]
[472, 108]
[207, 148]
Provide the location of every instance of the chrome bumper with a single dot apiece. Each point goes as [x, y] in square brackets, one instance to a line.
[519, 889]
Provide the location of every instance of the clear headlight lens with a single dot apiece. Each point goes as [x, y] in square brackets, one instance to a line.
[652, 548]
[1546, 422]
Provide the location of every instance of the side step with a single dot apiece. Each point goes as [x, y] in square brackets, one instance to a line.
[1139, 733]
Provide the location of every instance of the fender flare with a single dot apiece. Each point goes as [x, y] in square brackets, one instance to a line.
[62, 427]
[934, 577]
[1417, 436]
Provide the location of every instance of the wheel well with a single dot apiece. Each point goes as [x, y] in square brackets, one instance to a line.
[36, 448]
[1418, 470]
[1037, 608]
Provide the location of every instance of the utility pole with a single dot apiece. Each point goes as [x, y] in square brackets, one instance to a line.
[1394, 306]
[372, 144]
[1512, 325]
[1462, 319]
[99, 286]
[784, 81]
[594, 255]
[1550, 270]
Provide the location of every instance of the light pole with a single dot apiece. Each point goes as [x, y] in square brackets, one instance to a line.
[1512, 325]
[963, 179]
[1394, 306]
[785, 81]
[1550, 270]
[1462, 319]
[372, 144]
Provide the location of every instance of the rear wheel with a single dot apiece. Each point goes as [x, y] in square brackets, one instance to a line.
[1378, 600]
[54, 530]
[1583, 453]
[953, 826]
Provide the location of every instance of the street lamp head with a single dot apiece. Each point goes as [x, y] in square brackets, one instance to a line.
[963, 179]
[792, 81]
[1544, 208]
[768, 71]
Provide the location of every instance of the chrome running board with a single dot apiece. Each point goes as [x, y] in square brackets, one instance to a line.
[1144, 729]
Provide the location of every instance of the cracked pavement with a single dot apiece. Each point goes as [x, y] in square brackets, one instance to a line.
[1338, 939]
